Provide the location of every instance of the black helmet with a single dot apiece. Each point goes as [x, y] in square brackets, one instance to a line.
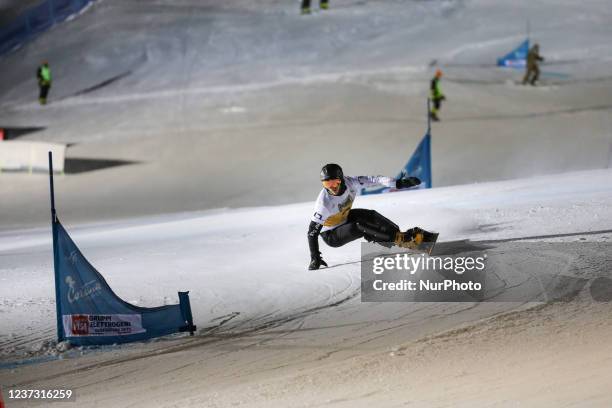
[331, 171]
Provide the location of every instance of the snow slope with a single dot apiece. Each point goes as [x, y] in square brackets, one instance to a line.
[208, 99]
[272, 333]
[253, 261]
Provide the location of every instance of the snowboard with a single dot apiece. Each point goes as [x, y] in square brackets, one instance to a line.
[426, 246]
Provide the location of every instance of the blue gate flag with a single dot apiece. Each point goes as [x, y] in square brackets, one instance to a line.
[516, 58]
[90, 313]
[419, 166]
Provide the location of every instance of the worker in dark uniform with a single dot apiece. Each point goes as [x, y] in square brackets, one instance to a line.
[323, 5]
[43, 74]
[533, 70]
[436, 95]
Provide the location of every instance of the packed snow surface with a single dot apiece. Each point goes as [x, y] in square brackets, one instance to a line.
[253, 262]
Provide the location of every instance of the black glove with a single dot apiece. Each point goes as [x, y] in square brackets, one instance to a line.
[407, 182]
[316, 262]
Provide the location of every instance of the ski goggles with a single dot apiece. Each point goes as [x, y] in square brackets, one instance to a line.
[333, 183]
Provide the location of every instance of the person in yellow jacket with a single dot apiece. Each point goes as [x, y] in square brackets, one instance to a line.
[43, 74]
[323, 5]
[436, 95]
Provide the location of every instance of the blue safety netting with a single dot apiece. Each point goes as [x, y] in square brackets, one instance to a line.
[36, 20]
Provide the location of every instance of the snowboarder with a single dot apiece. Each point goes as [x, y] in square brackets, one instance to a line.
[323, 5]
[43, 74]
[436, 95]
[338, 224]
[533, 70]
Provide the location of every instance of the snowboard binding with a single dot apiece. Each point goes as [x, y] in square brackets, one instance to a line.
[416, 239]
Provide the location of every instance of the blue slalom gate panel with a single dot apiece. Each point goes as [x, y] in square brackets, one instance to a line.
[90, 313]
[419, 166]
[515, 58]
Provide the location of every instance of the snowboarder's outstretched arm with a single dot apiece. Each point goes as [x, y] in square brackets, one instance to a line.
[314, 229]
[371, 181]
[404, 182]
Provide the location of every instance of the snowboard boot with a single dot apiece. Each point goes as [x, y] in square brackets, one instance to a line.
[434, 117]
[305, 10]
[324, 5]
[410, 239]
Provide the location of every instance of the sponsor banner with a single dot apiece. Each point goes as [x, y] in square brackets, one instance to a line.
[514, 63]
[78, 325]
